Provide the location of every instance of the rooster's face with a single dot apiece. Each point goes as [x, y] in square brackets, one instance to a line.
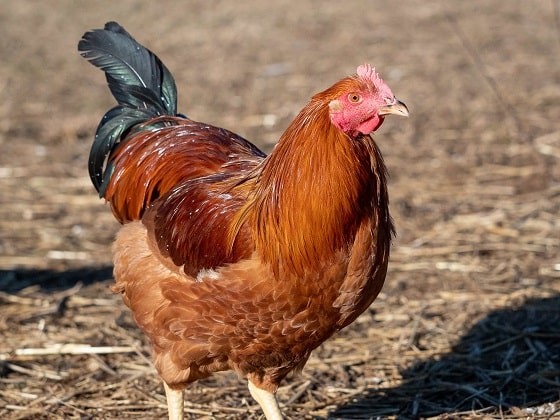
[363, 103]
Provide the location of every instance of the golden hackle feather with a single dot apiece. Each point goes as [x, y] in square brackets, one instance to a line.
[314, 190]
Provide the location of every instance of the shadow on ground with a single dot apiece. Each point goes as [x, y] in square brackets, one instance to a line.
[507, 361]
[12, 281]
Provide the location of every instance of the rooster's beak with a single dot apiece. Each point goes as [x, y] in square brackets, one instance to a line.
[396, 108]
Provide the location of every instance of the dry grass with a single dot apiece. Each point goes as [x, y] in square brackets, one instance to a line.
[468, 325]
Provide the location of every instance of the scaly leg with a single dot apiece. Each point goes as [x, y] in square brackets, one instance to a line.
[267, 401]
[174, 402]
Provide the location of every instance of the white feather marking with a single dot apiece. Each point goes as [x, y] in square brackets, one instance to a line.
[207, 274]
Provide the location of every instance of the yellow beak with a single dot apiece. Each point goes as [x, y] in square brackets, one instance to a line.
[396, 108]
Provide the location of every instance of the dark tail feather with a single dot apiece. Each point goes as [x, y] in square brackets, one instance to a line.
[139, 81]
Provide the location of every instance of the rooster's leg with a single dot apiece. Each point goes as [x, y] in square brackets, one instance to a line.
[174, 402]
[267, 401]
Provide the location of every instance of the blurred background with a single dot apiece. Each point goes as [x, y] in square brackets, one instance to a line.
[468, 322]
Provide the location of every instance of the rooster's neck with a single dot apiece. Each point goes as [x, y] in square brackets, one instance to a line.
[315, 190]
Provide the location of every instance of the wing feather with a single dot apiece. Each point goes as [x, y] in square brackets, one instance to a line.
[149, 164]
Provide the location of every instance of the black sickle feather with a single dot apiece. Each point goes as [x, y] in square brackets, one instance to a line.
[142, 85]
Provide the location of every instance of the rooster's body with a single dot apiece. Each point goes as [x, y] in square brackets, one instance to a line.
[228, 258]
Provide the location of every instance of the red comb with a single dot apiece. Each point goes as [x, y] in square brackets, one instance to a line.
[365, 71]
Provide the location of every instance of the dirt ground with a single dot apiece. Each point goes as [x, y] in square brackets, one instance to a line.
[468, 324]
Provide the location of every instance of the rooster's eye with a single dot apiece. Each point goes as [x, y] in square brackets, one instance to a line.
[355, 98]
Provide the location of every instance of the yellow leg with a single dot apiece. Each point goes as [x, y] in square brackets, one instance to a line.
[267, 401]
[174, 403]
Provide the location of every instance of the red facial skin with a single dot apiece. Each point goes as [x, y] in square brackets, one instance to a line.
[357, 112]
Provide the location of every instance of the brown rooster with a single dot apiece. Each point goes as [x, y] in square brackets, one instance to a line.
[228, 258]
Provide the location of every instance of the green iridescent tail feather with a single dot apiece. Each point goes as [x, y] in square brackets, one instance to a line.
[142, 85]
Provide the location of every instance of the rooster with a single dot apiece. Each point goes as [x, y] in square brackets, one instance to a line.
[230, 259]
